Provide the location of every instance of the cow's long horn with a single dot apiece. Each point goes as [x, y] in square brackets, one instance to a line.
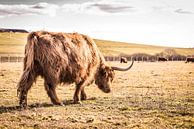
[123, 69]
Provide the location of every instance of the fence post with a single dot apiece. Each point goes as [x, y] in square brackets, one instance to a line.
[9, 58]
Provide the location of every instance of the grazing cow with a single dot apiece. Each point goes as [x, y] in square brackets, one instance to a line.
[189, 59]
[64, 58]
[162, 59]
[123, 60]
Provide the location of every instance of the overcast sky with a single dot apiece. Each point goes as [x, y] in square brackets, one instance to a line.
[157, 22]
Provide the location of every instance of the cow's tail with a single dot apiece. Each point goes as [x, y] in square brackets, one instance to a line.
[29, 50]
[28, 71]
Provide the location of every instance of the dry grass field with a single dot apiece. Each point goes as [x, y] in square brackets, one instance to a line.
[13, 44]
[150, 95]
[113, 48]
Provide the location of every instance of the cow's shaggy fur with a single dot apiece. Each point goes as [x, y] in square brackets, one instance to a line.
[63, 58]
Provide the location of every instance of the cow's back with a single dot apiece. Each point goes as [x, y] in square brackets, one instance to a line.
[66, 57]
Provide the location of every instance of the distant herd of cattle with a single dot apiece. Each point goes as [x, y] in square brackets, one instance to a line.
[189, 59]
[160, 59]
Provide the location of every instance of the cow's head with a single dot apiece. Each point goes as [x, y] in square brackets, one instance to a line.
[106, 76]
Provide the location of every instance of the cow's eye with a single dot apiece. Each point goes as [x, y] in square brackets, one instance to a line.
[103, 73]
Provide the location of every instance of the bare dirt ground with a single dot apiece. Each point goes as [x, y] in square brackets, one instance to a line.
[150, 95]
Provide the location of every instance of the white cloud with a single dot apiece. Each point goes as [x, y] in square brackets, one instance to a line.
[22, 9]
[102, 7]
[99, 7]
[181, 11]
[126, 7]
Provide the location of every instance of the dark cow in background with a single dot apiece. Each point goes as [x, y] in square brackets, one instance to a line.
[189, 59]
[64, 58]
[123, 60]
[162, 59]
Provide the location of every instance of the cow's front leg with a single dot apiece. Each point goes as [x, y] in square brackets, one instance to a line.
[76, 98]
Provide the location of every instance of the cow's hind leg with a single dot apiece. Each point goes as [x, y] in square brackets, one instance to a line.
[51, 91]
[25, 83]
[83, 94]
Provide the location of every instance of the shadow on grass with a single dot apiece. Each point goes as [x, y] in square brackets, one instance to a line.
[5, 109]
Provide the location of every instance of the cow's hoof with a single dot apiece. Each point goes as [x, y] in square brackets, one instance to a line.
[77, 102]
[83, 97]
[23, 107]
[59, 104]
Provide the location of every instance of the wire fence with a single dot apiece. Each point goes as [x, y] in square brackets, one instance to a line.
[143, 58]
[11, 59]
[107, 58]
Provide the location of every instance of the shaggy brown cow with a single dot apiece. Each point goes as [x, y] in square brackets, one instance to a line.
[123, 60]
[64, 58]
[162, 59]
[189, 59]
